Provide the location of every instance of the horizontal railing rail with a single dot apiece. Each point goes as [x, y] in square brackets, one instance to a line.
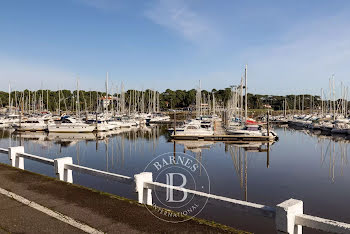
[322, 224]
[4, 151]
[252, 207]
[37, 158]
[91, 171]
[288, 215]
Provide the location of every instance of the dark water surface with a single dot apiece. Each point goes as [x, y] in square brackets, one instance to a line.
[301, 165]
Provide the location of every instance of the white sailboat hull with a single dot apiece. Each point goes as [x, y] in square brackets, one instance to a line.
[30, 127]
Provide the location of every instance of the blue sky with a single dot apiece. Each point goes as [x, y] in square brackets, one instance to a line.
[289, 46]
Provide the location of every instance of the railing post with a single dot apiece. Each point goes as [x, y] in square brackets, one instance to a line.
[16, 161]
[285, 216]
[144, 194]
[62, 173]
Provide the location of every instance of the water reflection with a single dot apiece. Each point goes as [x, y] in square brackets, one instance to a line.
[302, 164]
[69, 139]
[332, 147]
[238, 154]
[195, 146]
[331, 151]
[138, 140]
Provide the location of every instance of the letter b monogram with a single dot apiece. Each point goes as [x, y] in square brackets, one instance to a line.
[170, 192]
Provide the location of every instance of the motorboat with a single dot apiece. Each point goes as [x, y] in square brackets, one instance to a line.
[69, 124]
[9, 120]
[31, 124]
[125, 122]
[234, 124]
[157, 117]
[251, 130]
[102, 125]
[194, 128]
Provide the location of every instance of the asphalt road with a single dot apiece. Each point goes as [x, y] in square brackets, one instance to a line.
[16, 217]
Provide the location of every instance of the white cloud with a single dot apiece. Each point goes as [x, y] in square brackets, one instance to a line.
[178, 17]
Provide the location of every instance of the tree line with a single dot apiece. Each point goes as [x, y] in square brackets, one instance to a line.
[169, 99]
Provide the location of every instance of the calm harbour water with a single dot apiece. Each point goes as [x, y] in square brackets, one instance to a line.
[301, 165]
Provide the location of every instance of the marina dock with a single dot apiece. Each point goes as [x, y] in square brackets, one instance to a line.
[221, 135]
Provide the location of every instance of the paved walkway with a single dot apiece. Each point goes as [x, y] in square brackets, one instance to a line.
[16, 217]
[103, 212]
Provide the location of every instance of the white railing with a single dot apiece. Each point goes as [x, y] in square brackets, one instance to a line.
[288, 215]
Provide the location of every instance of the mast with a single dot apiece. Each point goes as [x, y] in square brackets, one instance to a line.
[295, 103]
[112, 95]
[200, 97]
[16, 102]
[122, 101]
[29, 102]
[34, 103]
[330, 96]
[341, 103]
[241, 104]
[107, 101]
[246, 93]
[346, 101]
[214, 104]
[158, 103]
[42, 97]
[90, 108]
[59, 101]
[310, 104]
[78, 100]
[333, 99]
[129, 101]
[154, 101]
[322, 101]
[10, 107]
[142, 101]
[198, 100]
[47, 100]
[135, 100]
